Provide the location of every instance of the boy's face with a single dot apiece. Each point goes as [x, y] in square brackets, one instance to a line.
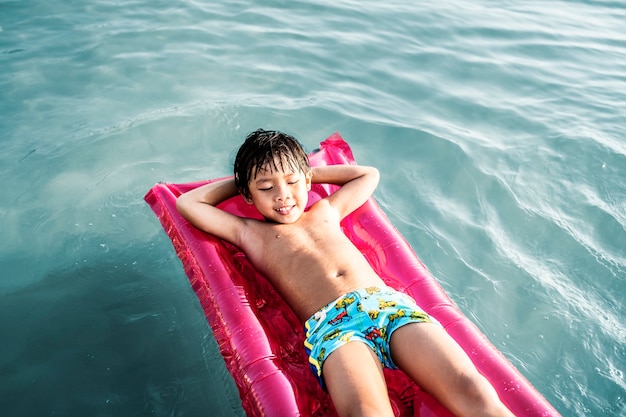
[280, 195]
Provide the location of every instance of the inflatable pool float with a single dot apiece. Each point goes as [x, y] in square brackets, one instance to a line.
[261, 340]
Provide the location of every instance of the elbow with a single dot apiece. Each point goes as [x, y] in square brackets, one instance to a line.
[181, 204]
[375, 174]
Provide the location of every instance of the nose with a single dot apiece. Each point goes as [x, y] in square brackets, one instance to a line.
[282, 193]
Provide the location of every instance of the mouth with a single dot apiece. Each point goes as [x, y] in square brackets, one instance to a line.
[284, 210]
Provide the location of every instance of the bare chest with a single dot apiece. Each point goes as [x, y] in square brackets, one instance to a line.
[308, 264]
[302, 243]
[295, 251]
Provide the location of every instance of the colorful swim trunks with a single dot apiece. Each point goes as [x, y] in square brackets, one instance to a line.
[370, 316]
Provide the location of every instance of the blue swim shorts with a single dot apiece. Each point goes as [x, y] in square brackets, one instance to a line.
[369, 316]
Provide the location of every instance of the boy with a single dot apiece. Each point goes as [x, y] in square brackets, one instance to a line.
[330, 286]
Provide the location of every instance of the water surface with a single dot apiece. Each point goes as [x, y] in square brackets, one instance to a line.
[497, 128]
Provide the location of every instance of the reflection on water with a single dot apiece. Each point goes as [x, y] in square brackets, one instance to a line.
[497, 129]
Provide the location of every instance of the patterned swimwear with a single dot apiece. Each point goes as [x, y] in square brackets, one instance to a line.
[370, 316]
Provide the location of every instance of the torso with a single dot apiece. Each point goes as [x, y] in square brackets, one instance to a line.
[310, 263]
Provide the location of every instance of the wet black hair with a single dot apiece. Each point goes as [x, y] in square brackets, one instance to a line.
[272, 148]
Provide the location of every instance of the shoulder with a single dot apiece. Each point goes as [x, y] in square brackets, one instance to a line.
[324, 210]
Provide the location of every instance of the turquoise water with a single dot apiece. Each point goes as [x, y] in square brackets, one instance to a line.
[498, 128]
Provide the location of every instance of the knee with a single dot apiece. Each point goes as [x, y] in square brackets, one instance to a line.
[478, 397]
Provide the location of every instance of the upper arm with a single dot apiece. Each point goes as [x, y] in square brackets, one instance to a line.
[357, 185]
[198, 206]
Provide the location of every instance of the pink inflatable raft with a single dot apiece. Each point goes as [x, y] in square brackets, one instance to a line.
[262, 341]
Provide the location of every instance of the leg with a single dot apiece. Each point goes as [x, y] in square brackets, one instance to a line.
[355, 381]
[440, 367]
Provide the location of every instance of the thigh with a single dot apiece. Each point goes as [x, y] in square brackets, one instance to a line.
[355, 381]
[433, 359]
[426, 348]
